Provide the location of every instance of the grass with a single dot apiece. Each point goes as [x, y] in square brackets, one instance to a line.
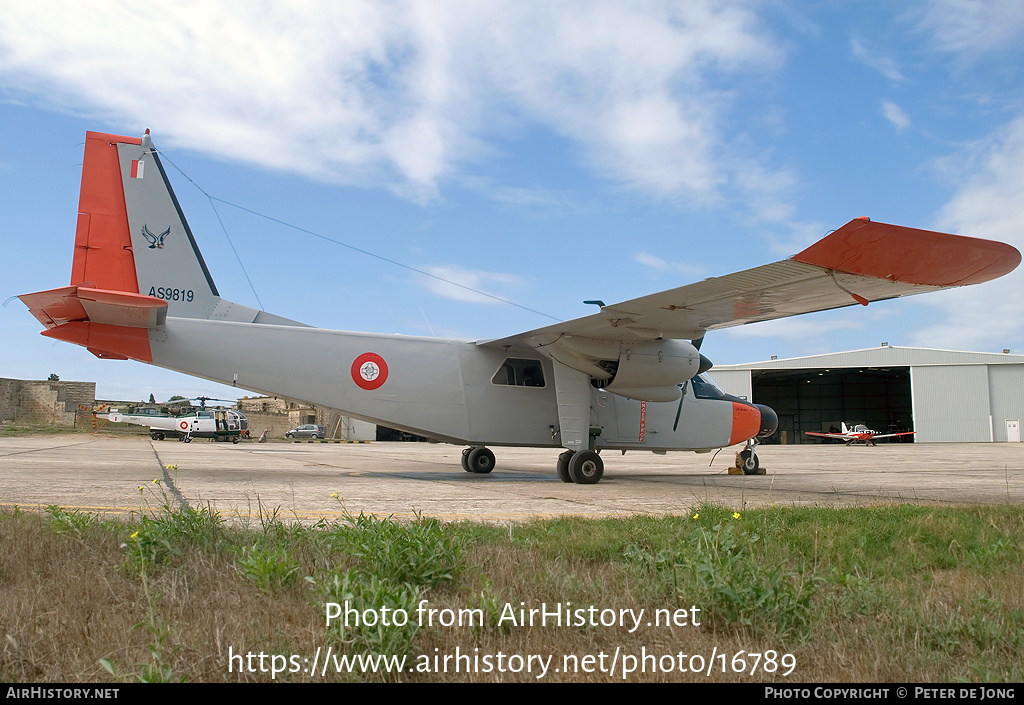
[904, 593]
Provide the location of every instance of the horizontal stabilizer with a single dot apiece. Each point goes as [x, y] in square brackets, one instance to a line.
[105, 340]
[111, 324]
[57, 307]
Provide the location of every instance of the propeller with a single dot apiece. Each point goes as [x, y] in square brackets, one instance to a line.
[705, 365]
[682, 398]
[202, 401]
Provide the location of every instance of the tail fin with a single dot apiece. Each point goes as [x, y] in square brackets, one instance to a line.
[132, 235]
[135, 263]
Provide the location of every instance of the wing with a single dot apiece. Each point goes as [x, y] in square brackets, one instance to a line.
[827, 435]
[861, 262]
[893, 435]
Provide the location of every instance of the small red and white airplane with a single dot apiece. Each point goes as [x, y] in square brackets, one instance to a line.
[859, 434]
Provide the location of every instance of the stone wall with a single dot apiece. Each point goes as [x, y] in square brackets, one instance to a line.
[280, 415]
[44, 402]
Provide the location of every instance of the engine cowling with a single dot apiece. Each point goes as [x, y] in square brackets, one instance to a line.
[643, 370]
[652, 371]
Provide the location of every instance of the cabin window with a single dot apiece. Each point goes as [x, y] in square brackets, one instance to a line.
[519, 372]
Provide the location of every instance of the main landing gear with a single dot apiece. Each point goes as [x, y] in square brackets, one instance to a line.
[584, 467]
[477, 459]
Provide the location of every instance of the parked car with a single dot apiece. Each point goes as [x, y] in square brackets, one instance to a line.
[308, 430]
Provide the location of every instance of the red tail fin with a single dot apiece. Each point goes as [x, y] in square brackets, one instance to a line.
[103, 243]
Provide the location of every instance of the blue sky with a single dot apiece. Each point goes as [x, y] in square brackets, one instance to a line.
[545, 153]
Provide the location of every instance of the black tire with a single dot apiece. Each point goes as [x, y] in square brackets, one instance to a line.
[289, 436]
[234, 439]
[586, 468]
[481, 460]
[465, 459]
[187, 439]
[750, 462]
[562, 467]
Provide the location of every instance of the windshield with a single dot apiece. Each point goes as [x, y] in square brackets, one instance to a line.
[705, 388]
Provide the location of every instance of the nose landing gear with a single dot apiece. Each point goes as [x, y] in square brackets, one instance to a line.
[747, 462]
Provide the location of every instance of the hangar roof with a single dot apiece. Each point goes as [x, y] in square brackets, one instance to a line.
[882, 356]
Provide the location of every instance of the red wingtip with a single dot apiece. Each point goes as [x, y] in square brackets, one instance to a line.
[909, 255]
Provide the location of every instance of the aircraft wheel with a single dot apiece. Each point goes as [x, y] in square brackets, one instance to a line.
[563, 466]
[234, 439]
[750, 463]
[187, 439]
[465, 459]
[480, 460]
[586, 468]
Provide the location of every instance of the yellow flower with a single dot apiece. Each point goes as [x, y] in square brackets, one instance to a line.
[697, 515]
[735, 515]
[135, 535]
[156, 482]
[140, 488]
[334, 494]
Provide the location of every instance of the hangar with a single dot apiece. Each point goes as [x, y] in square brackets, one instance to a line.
[946, 396]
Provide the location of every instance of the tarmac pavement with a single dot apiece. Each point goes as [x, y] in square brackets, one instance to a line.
[102, 474]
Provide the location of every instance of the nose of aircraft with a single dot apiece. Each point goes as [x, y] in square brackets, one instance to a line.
[769, 421]
[746, 422]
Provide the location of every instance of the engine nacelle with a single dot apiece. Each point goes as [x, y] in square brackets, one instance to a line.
[650, 371]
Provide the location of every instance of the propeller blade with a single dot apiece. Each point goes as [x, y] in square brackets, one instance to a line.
[682, 398]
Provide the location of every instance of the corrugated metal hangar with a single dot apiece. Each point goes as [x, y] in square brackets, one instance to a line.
[946, 396]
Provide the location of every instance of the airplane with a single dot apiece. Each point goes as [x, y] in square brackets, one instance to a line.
[859, 434]
[629, 377]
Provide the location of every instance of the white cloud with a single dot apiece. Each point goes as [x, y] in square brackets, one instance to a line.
[894, 114]
[987, 205]
[973, 27]
[886, 66]
[402, 93]
[462, 284]
[662, 266]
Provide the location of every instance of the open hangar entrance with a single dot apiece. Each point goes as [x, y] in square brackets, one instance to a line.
[944, 396]
[821, 400]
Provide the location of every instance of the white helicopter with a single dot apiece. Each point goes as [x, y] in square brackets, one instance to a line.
[218, 424]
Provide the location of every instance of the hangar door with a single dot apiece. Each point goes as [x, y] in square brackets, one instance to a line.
[822, 399]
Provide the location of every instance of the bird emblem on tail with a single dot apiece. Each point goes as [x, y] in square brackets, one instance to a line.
[156, 242]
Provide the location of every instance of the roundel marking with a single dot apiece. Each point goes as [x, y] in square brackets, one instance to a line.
[369, 371]
[184, 425]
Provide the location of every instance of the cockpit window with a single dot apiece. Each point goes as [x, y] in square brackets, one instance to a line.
[519, 372]
[705, 388]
